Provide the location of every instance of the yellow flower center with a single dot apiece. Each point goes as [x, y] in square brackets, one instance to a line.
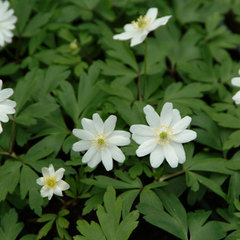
[50, 182]
[163, 135]
[141, 23]
[100, 142]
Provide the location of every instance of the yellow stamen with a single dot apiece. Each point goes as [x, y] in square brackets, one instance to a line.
[100, 141]
[50, 182]
[141, 22]
[163, 135]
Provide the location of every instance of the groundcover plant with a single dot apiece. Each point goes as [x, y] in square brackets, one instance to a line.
[119, 119]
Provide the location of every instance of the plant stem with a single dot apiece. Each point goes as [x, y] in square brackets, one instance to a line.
[172, 175]
[145, 67]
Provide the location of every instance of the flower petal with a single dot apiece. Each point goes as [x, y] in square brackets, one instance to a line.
[95, 160]
[178, 147]
[142, 130]
[88, 125]
[159, 22]
[107, 159]
[83, 134]
[51, 171]
[57, 190]
[89, 154]
[181, 125]
[146, 148]
[45, 172]
[157, 157]
[117, 154]
[176, 117]
[170, 155]
[120, 133]
[185, 136]
[138, 38]
[153, 119]
[39, 181]
[123, 36]
[129, 28]
[109, 124]
[59, 174]
[119, 138]
[5, 93]
[44, 191]
[236, 81]
[236, 98]
[63, 185]
[152, 13]
[81, 146]
[166, 114]
[140, 139]
[98, 122]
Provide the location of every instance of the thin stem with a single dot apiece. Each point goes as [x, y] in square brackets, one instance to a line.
[172, 175]
[139, 87]
[145, 67]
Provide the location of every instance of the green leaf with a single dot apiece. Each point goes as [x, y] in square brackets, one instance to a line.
[9, 225]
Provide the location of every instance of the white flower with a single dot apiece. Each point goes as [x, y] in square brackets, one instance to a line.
[52, 182]
[101, 141]
[164, 136]
[236, 82]
[138, 30]
[7, 21]
[6, 106]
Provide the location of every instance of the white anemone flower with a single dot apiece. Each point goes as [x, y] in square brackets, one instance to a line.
[6, 106]
[52, 182]
[101, 141]
[7, 21]
[164, 136]
[236, 82]
[138, 30]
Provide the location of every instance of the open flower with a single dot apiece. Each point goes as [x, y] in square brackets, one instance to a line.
[164, 136]
[101, 141]
[138, 30]
[236, 82]
[7, 21]
[6, 106]
[52, 182]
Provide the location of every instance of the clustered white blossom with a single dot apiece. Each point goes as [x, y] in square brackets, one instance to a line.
[6, 106]
[52, 182]
[7, 21]
[101, 141]
[138, 30]
[236, 82]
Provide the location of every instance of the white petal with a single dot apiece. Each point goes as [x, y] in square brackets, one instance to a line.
[81, 145]
[1, 129]
[98, 122]
[156, 157]
[45, 172]
[236, 81]
[236, 97]
[170, 155]
[50, 194]
[44, 191]
[138, 38]
[95, 160]
[119, 140]
[51, 171]
[1, 83]
[176, 117]
[83, 134]
[107, 159]
[39, 181]
[109, 124]
[153, 119]
[57, 190]
[140, 139]
[89, 155]
[5, 93]
[142, 130]
[117, 154]
[159, 22]
[120, 133]
[59, 174]
[178, 147]
[129, 28]
[185, 136]
[88, 125]
[152, 13]
[181, 125]
[123, 36]
[3, 116]
[63, 185]
[9, 103]
[6, 108]
[146, 148]
[167, 114]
